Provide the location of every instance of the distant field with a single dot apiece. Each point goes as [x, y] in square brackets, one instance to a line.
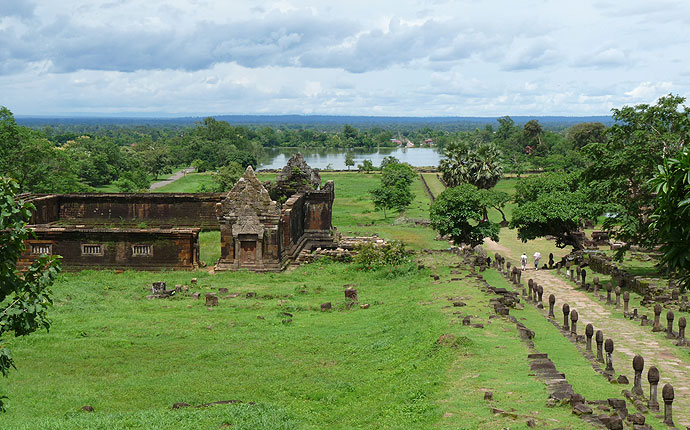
[434, 183]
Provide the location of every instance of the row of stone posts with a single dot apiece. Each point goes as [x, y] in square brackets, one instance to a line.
[570, 319]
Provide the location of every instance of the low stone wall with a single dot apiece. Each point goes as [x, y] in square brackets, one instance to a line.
[147, 249]
[127, 209]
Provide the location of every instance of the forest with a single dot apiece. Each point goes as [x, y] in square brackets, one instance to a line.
[73, 155]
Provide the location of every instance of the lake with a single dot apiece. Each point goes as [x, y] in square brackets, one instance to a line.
[322, 158]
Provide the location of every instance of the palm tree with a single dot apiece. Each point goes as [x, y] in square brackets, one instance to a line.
[480, 166]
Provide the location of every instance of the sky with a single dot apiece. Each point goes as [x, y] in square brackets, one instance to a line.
[375, 57]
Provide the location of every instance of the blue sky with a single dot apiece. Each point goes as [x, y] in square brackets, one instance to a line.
[391, 58]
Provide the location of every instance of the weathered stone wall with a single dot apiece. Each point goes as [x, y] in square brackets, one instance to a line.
[164, 248]
[123, 209]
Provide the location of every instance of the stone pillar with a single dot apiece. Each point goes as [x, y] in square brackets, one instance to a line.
[558, 268]
[583, 275]
[626, 302]
[608, 293]
[589, 332]
[572, 275]
[578, 270]
[551, 260]
[552, 302]
[530, 284]
[519, 277]
[507, 272]
[600, 346]
[618, 297]
[540, 293]
[638, 367]
[657, 314]
[653, 378]
[566, 313]
[608, 346]
[573, 320]
[681, 332]
[596, 286]
[667, 395]
[669, 325]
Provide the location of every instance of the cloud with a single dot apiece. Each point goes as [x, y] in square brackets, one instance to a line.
[603, 58]
[528, 54]
[23, 9]
[648, 92]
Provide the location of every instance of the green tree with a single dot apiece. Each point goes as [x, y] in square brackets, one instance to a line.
[585, 133]
[227, 176]
[497, 200]
[24, 299]
[366, 166]
[395, 189]
[388, 160]
[552, 205]
[671, 217]
[532, 131]
[480, 166]
[460, 213]
[621, 168]
[349, 159]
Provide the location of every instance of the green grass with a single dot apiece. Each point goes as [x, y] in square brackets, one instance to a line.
[132, 358]
[112, 188]
[190, 183]
[435, 184]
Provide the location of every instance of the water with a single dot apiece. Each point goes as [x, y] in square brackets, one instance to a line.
[322, 158]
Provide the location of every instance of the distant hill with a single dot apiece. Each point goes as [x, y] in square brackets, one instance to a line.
[328, 122]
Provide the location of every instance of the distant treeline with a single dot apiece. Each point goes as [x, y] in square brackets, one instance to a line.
[129, 152]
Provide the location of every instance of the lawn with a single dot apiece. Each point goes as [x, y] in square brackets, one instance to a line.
[132, 358]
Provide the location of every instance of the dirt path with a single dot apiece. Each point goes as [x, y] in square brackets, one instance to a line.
[175, 176]
[629, 339]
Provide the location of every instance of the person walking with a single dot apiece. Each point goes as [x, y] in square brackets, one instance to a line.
[537, 257]
[523, 261]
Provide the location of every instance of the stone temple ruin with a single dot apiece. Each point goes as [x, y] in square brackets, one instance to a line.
[153, 231]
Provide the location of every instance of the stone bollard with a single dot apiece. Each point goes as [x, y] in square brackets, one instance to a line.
[519, 277]
[530, 284]
[589, 332]
[681, 332]
[667, 395]
[572, 275]
[600, 346]
[552, 301]
[573, 320]
[638, 367]
[608, 293]
[583, 275]
[596, 286]
[657, 315]
[540, 294]
[618, 297]
[351, 294]
[626, 302]
[577, 274]
[551, 260]
[608, 346]
[669, 325]
[653, 378]
[566, 313]
[507, 272]
[211, 299]
[558, 268]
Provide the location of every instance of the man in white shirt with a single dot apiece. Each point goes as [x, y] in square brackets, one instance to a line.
[523, 261]
[537, 257]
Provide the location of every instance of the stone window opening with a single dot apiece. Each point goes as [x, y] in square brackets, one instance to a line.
[92, 249]
[41, 248]
[142, 250]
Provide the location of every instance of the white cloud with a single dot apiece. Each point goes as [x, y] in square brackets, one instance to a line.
[359, 57]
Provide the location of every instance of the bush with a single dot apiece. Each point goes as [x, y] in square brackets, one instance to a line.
[373, 257]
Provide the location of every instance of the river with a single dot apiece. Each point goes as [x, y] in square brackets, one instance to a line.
[322, 158]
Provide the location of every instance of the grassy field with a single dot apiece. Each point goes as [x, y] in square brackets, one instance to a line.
[132, 358]
[112, 188]
[406, 362]
[434, 183]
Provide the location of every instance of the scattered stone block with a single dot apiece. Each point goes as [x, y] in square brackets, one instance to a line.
[211, 299]
[326, 306]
